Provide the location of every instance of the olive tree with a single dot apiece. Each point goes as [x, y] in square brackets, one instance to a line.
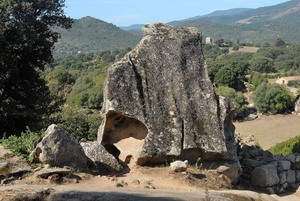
[28, 32]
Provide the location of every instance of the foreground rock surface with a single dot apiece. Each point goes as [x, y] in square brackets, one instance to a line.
[160, 93]
[70, 193]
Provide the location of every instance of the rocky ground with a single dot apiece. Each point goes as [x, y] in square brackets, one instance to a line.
[145, 183]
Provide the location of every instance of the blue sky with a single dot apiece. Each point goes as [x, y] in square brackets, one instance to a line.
[128, 12]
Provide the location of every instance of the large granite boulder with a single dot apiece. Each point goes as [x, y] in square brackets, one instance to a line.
[58, 148]
[161, 95]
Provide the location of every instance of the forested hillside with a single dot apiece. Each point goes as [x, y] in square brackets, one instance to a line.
[255, 26]
[92, 35]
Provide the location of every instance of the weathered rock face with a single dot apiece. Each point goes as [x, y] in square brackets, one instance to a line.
[160, 94]
[58, 148]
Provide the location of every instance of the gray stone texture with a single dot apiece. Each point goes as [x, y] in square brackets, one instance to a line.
[59, 148]
[160, 92]
[265, 176]
[284, 165]
[291, 176]
[101, 157]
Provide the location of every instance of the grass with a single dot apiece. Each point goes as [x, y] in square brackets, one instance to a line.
[289, 146]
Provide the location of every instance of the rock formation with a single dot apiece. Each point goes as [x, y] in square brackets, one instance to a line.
[160, 95]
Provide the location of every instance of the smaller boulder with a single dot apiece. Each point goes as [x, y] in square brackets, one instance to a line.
[231, 171]
[58, 148]
[179, 166]
[101, 157]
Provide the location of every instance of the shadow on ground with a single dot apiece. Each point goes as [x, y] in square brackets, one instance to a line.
[93, 196]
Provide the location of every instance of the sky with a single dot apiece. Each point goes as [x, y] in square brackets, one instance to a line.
[129, 12]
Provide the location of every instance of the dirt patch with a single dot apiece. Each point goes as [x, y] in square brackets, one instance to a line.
[245, 49]
[270, 130]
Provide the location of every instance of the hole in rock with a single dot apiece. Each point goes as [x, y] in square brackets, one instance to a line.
[123, 136]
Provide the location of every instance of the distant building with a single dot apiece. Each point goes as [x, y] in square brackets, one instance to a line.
[209, 40]
[285, 80]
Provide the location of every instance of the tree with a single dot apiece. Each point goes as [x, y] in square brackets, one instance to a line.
[265, 44]
[27, 38]
[232, 75]
[262, 65]
[279, 42]
[220, 42]
[257, 79]
[273, 98]
[235, 47]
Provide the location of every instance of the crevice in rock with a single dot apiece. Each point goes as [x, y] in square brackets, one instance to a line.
[139, 83]
[182, 137]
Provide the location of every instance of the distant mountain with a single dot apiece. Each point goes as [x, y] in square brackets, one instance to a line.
[256, 25]
[261, 15]
[228, 12]
[174, 23]
[92, 35]
[133, 27]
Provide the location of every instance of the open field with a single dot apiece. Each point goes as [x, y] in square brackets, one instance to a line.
[245, 49]
[272, 129]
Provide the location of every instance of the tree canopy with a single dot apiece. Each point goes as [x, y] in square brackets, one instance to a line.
[27, 38]
[272, 98]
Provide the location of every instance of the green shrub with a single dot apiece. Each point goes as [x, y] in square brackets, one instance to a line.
[273, 97]
[22, 145]
[235, 47]
[287, 147]
[82, 124]
[257, 79]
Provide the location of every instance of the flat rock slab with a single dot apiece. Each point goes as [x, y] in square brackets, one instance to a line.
[45, 173]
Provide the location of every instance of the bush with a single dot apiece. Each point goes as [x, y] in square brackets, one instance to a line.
[235, 47]
[257, 79]
[23, 145]
[82, 124]
[273, 97]
[287, 147]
